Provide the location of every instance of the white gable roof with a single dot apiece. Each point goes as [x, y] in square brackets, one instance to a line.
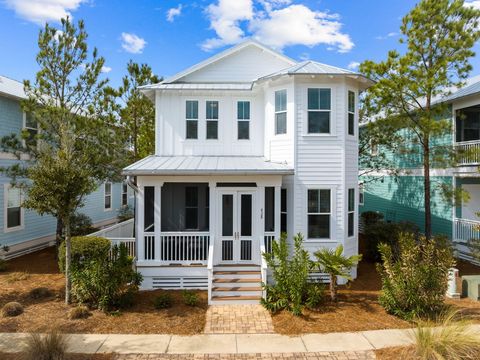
[11, 88]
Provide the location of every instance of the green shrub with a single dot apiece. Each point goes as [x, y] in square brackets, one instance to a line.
[163, 301]
[84, 248]
[52, 346]
[78, 312]
[371, 217]
[40, 293]
[12, 309]
[415, 282]
[290, 275]
[189, 298]
[315, 295]
[3, 265]
[106, 283]
[81, 225]
[382, 232]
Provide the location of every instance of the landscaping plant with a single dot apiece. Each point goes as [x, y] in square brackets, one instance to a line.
[12, 309]
[78, 312]
[414, 282]
[291, 290]
[190, 298]
[84, 248]
[51, 346]
[334, 263]
[163, 301]
[106, 283]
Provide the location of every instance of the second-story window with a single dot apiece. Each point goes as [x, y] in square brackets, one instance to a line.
[280, 112]
[31, 127]
[351, 113]
[212, 119]
[319, 105]
[124, 194]
[191, 115]
[243, 117]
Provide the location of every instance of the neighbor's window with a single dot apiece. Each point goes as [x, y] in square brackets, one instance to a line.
[243, 117]
[124, 194]
[319, 111]
[319, 213]
[191, 207]
[14, 210]
[283, 211]
[351, 113]
[107, 187]
[280, 112]
[191, 115]
[351, 212]
[361, 195]
[212, 119]
[31, 126]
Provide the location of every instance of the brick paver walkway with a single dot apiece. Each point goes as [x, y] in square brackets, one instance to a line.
[238, 319]
[345, 355]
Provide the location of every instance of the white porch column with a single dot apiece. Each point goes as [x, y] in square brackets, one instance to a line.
[213, 225]
[140, 223]
[157, 218]
[278, 196]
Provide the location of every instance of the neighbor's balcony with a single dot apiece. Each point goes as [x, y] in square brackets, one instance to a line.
[469, 152]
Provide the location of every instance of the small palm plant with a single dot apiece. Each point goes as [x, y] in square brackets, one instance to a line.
[334, 263]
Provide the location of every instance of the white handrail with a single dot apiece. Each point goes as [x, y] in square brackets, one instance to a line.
[263, 268]
[105, 231]
[210, 270]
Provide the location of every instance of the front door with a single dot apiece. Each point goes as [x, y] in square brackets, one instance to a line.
[236, 226]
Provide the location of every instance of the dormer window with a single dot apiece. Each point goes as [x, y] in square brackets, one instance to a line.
[280, 112]
[243, 117]
[212, 119]
[319, 108]
[191, 115]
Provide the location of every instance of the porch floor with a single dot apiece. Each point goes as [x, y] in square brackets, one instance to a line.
[238, 319]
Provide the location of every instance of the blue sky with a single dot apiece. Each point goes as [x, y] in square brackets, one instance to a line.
[173, 35]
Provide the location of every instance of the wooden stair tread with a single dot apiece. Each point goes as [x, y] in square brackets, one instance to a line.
[237, 288]
[239, 272]
[236, 297]
[248, 280]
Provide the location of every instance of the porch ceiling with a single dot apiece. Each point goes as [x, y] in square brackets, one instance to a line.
[207, 165]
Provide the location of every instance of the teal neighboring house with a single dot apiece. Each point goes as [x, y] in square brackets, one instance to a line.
[401, 198]
[24, 230]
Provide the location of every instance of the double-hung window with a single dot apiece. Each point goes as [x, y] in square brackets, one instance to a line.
[31, 127]
[191, 115]
[351, 113]
[351, 212]
[107, 193]
[13, 210]
[124, 194]
[212, 119]
[319, 111]
[243, 117]
[319, 213]
[280, 112]
[191, 208]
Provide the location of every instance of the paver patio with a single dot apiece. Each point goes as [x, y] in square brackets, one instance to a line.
[350, 355]
[238, 319]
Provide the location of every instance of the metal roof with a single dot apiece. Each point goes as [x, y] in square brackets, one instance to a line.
[207, 165]
[312, 67]
[198, 86]
[11, 88]
[472, 87]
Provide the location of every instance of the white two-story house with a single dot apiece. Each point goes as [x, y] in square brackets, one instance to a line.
[249, 144]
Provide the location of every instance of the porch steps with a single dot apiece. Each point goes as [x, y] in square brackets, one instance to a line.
[236, 284]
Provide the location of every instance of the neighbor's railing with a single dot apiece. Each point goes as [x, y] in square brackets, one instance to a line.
[469, 152]
[268, 239]
[123, 229]
[465, 230]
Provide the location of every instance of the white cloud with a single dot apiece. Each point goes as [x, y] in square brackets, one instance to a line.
[41, 11]
[174, 12]
[106, 69]
[353, 65]
[277, 23]
[473, 3]
[132, 43]
[389, 35]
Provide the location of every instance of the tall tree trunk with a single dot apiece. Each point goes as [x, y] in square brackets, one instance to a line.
[426, 186]
[58, 235]
[68, 258]
[333, 287]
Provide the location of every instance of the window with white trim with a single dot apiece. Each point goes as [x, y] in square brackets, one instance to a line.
[124, 194]
[107, 193]
[191, 116]
[351, 113]
[319, 108]
[351, 212]
[13, 211]
[212, 119]
[243, 120]
[31, 127]
[361, 195]
[280, 112]
[319, 212]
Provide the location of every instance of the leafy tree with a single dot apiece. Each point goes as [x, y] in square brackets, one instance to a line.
[138, 113]
[77, 146]
[334, 263]
[438, 36]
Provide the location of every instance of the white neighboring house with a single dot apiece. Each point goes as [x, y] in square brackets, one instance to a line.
[249, 143]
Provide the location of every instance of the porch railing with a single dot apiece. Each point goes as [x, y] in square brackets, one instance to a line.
[469, 152]
[268, 239]
[177, 247]
[465, 230]
[123, 229]
[129, 243]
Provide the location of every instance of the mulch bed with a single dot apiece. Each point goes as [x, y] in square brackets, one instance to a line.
[40, 315]
[10, 356]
